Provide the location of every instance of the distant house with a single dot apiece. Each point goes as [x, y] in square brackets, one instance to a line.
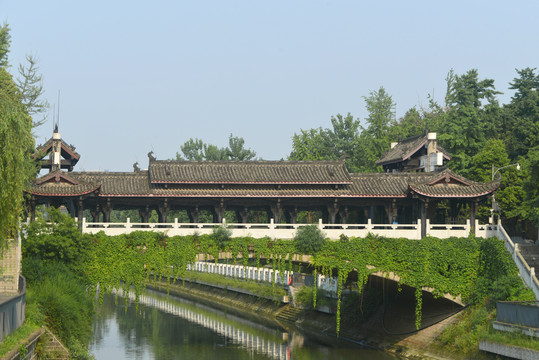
[416, 153]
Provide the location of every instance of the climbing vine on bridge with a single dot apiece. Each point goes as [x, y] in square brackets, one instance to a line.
[448, 266]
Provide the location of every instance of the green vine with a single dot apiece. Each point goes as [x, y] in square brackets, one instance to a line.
[446, 265]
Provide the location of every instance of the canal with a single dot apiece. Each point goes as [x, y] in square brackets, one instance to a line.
[176, 328]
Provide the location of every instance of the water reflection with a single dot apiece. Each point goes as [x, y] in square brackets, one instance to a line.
[176, 328]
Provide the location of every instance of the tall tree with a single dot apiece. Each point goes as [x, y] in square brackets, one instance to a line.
[522, 114]
[16, 145]
[466, 125]
[5, 42]
[375, 139]
[30, 83]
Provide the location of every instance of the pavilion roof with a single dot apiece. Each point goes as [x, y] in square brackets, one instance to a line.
[248, 172]
[443, 183]
[68, 151]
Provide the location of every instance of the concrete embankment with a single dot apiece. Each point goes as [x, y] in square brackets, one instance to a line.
[320, 325]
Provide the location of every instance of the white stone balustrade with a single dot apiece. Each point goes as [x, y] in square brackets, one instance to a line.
[288, 231]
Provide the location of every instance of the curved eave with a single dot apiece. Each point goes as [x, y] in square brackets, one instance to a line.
[473, 195]
[58, 194]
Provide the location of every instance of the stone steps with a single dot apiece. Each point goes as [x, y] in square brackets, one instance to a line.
[53, 348]
[289, 314]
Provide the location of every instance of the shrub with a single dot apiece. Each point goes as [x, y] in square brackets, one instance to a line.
[309, 240]
[221, 235]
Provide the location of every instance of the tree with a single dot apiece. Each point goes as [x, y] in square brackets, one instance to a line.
[192, 149]
[328, 144]
[493, 153]
[375, 138]
[468, 122]
[5, 42]
[236, 150]
[197, 150]
[16, 145]
[311, 144]
[30, 84]
[522, 114]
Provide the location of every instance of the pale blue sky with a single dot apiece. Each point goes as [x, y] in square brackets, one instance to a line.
[138, 76]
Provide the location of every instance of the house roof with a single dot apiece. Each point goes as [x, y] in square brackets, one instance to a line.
[406, 148]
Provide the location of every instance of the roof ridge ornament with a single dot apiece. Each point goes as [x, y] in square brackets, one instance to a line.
[151, 157]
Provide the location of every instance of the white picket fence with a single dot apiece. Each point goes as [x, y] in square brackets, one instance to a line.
[258, 274]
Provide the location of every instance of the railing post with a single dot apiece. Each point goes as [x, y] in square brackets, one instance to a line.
[418, 229]
[175, 223]
[320, 224]
[83, 224]
[369, 225]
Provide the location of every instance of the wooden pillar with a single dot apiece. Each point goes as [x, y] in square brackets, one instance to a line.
[32, 208]
[387, 210]
[371, 213]
[145, 214]
[424, 208]
[107, 209]
[276, 211]
[293, 214]
[219, 211]
[243, 215]
[80, 209]
[333, 210]
[394, 211]
[95, 213]
[344, 215]
[193, 214]
[162, 210]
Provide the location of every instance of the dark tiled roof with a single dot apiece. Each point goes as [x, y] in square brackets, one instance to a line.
[383, 184]
[117, 183]
[406, 148]
[249, 172]
[136, 184]
[448, 184]
[63, 189]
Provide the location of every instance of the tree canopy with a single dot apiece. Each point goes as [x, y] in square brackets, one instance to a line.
[16, 140]
[472, 126]
[197, 150]
[16, 145]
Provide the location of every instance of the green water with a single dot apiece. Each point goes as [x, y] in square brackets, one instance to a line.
[180, 329]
